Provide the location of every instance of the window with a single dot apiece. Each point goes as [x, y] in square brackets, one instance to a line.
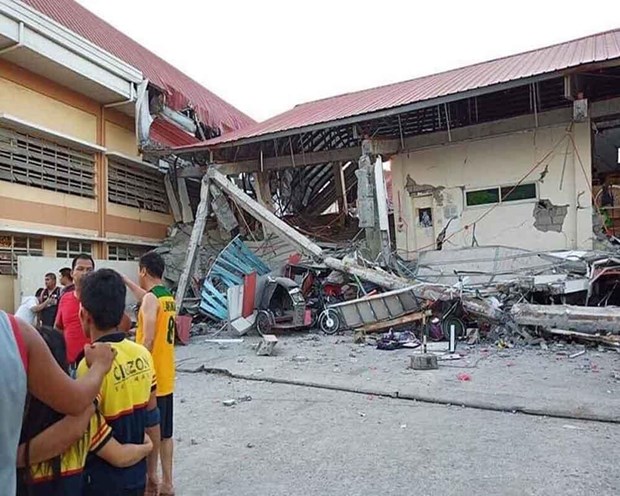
[36, 162]
[516, 193]
[425, 217]
[501, 194]
[69, 248]
[12, 247]
[126, 252]
[140, 188]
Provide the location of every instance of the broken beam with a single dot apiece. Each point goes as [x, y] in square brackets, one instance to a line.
[589, 320]
[378, 147]
[202, 213]
[264, 215]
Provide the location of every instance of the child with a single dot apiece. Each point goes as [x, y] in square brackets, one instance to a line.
[62, 475]
[127, 394]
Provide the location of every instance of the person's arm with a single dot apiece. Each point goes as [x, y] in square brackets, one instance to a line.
[124, 455]
[137, 291]
[59, 324]
[149, 310]
[56, 439]
[49, 383]
[41, 306]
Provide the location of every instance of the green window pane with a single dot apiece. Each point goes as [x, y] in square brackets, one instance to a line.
[521, 192]
[482, 197]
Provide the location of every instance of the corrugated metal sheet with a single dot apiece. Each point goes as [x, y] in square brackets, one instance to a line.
[595, 48]
[180, 88]
[167, 134]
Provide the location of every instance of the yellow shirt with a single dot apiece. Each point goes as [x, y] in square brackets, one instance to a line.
[72, 462]
[163, 343]
[125, 393]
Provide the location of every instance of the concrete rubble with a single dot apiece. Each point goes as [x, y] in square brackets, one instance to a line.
[492, 291]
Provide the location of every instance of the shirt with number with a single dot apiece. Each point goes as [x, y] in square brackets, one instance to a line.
[163, 342]
[70, 482]
[124, 398]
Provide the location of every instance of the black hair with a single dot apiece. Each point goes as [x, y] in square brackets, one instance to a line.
[65, 272]
[153, 263]
[39, 292]
[38, 416]
[102, 294]
[51, 274]
[82, 256]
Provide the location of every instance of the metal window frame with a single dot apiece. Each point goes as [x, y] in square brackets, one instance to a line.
[66, 252]
[14, 252]
[499, 195]
[126, 252]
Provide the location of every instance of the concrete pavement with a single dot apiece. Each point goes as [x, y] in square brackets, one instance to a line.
[531, 380]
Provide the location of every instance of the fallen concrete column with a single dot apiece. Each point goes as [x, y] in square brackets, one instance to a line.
[475, 306]
[584, 319]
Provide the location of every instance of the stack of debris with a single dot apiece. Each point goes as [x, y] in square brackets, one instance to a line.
[467, 292]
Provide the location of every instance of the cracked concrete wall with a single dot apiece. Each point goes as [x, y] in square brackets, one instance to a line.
[549, 217]
[441, 175]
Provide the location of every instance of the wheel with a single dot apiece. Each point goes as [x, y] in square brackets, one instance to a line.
[459, 327]
[264, 322]
[329, 321]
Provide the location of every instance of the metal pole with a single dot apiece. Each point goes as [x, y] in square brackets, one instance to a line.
[452, 347]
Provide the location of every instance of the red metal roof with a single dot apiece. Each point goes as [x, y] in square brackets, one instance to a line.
[180, 88]
[167, 134]
[596, 48]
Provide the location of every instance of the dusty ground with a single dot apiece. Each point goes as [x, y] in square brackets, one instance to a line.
[291, 440]
[539, 380]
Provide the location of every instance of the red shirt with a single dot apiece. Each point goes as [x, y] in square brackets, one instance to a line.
[68, 319]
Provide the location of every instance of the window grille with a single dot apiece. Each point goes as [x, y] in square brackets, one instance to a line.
[43, 164]
[136, 188]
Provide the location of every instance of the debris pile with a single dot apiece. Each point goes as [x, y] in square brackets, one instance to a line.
[507, 294]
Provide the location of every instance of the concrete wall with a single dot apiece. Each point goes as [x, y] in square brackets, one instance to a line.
[32, 270]
[442, 175]
[52, 215]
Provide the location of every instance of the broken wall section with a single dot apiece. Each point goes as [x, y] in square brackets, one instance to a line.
[441, 177]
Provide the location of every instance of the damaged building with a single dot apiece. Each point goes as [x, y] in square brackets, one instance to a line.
[84, 113]
[520, 151]
[482, 189]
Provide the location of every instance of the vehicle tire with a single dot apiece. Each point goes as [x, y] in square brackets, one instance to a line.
[264, 322]
[459, 327]
[329, 321]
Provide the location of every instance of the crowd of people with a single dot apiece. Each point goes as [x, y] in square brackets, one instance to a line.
[87, 408]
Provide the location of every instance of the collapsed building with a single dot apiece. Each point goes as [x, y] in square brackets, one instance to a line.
[519, 152]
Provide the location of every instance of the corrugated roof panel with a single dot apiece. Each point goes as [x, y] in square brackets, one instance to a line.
[181, 89]
[167, 134]
[596, 48]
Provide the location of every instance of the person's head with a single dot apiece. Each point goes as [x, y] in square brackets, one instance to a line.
[50, 280]
[39, 292]
[152, 267]
[65, 276]
[82, 265]
[102, 301]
